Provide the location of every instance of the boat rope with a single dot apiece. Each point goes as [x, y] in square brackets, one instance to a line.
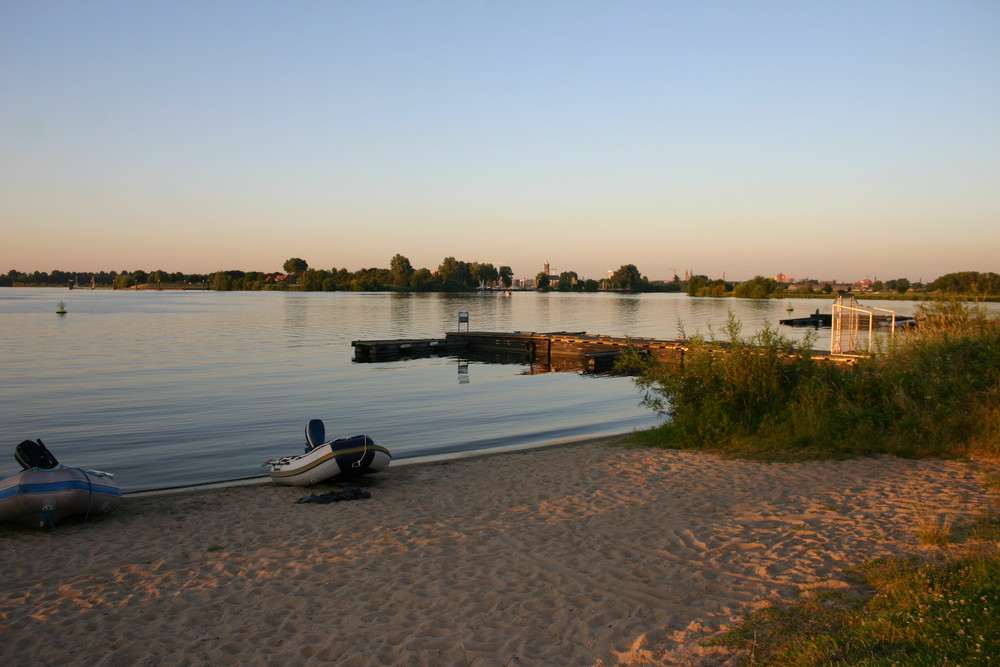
[47, 514]
[364, 450]
[360, 461]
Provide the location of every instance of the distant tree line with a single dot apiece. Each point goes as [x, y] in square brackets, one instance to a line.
[968, 282]
[626, 279]
[117, 279]
[453, 275]
[760, 287]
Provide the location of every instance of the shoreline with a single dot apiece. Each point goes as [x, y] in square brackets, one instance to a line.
[581, 552]
[264, 478]
[869, 296]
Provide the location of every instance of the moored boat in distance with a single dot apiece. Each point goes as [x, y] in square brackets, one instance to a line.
[819, 319]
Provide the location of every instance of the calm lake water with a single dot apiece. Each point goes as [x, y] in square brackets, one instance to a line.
[175, 388]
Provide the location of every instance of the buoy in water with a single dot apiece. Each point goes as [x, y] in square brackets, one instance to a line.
[61, 310]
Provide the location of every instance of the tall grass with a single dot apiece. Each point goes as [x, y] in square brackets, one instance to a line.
[932, 391]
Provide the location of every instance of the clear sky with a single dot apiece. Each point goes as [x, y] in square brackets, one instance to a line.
[820, 139]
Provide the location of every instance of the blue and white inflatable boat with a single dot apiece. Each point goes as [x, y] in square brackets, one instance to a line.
[45, 491]
[325, 459]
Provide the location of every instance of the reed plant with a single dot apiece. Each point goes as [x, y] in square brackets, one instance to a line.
[932, 391]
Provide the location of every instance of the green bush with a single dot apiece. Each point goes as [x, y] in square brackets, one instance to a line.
[931, 391]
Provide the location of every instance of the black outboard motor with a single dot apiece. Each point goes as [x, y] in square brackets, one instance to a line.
[34, 454]
[315, 434]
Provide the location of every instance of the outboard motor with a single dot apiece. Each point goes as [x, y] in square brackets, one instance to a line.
[34, 454]
[315, 434]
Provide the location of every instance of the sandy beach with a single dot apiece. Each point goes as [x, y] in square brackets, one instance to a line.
[582, 554]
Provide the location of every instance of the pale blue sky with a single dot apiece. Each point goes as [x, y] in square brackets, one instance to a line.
[822, 139]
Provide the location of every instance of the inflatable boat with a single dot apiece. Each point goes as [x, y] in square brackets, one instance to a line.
[326, 459]
[45, 491]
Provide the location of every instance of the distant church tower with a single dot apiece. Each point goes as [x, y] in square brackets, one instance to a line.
[547, 267]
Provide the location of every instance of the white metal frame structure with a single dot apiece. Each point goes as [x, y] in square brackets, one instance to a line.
[848, 319]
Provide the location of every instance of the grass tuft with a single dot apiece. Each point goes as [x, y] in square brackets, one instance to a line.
[900, 612]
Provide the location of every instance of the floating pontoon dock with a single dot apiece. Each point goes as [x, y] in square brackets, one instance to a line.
[594, 353]
[561, 350]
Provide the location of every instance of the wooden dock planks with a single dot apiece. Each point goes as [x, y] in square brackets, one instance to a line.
[595, 353]
[554, 351]
[371, 351]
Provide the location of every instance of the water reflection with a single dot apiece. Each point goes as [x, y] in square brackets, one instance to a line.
[401, 311]
[296, 315]
[183, 387]
[628, 312]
